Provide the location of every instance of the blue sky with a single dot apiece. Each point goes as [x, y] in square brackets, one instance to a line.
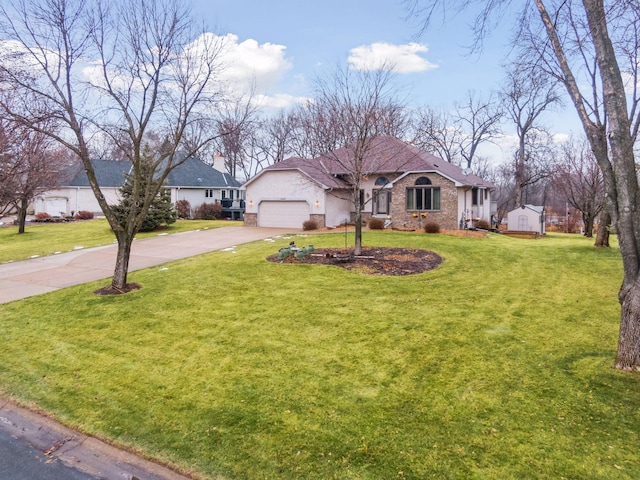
[286, 44]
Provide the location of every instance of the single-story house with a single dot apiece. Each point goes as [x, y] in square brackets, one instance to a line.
[193, 180]
[400, 183]
[527, 218]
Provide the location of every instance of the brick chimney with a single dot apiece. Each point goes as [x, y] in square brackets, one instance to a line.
[218, 163]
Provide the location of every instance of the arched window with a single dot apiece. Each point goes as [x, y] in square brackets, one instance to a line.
[380, 181]
[423, 196]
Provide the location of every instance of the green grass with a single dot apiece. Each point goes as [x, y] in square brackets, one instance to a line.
[49, 238]
[497, 365]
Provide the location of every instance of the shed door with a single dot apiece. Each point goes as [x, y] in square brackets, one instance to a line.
[283, 214]
[523, 223]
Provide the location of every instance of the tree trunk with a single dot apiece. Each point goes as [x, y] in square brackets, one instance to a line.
[520, 173]
[626, 182]
[119, 281]
[602, 238]
[22, 215]
[588, 225]
[628, 356]
[358, 247]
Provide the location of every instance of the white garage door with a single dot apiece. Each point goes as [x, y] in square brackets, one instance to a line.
[56, 206]
[283, 214]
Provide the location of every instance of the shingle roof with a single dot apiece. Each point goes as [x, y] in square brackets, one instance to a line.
[313, 169]
[193, 173]
[109, 173]
[385, 155]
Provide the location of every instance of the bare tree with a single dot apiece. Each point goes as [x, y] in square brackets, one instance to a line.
[438, 133]
[455, 137]
[31, 163]
[123, 70]
[349, 111]
[503, 177]
[278, 132]
[479, 119]
[269, 140]
[592, 47]
[7, 171]
[579, 178]
[526, 95]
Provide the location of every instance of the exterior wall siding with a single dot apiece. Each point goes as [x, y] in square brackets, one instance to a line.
[77, 199]
[446, 217]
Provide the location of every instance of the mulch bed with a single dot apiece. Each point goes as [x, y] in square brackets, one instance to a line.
[373, 261]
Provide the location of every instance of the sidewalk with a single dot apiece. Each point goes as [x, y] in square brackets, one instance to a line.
[21, 429]
[46, 274]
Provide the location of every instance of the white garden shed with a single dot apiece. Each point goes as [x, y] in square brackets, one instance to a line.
[527, 218]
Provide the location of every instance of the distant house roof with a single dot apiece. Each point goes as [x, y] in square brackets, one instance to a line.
[109, 173]
[385, 155]
[193, 173]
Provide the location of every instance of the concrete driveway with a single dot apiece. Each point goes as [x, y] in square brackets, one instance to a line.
[45, 274]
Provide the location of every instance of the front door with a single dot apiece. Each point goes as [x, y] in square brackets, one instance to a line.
[381, 200]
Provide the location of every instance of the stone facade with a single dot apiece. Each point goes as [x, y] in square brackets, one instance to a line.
[446, 217]
[250, 219]
[318, 218]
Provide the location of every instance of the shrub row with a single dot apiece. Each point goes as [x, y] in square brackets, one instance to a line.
[205, 211]
[375, 224]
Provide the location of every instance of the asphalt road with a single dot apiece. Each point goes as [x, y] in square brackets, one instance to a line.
[20, 461]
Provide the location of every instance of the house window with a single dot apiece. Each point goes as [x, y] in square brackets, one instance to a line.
[381, 201]
[381, 181]
[423, 196]
[208, 193]
[476, 196]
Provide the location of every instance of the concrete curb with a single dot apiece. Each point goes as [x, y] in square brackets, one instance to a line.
[76, 450]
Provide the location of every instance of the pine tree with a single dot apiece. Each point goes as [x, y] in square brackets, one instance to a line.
[161, 212]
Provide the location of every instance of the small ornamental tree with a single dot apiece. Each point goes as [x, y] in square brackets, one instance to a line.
[161, 211]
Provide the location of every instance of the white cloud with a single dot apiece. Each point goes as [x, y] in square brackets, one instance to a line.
[247, 67]
[402, 58]
[249, 63]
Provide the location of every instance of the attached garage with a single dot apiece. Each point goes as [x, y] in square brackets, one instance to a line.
[55, 206]
[283, 214]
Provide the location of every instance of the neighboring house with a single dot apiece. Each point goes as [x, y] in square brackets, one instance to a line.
[193, 180]
[404, 184]
[527, 218]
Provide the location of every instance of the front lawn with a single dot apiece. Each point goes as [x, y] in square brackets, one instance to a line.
[48, 238]
[496, 365]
